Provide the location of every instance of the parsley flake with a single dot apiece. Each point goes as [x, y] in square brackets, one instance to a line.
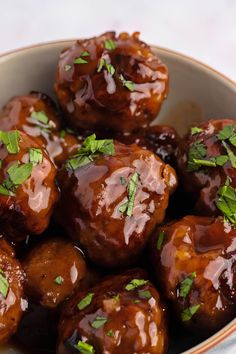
[127, 83]
[89, 151]
[160, 240]
[40, 116]
[102, 63]
[132, 189]
[196, 130]
[110, 333]
[144, 294]
[196, 151]
[86, 301]
[19, 173]
[80, 61]
[85, 54]
[188, 313]
[226, 201]
[58, 280]
[4, 285]
[35, 156]
[186, 285]
[84, 348]
[11, 141]
[110, 44]
[99, 322]
[230, 153]
[135, 283]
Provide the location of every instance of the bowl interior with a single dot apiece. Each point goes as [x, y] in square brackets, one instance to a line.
[196, 93]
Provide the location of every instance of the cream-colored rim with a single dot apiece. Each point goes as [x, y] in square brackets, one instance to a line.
[231, 327]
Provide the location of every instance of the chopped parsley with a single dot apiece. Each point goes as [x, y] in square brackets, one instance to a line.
[35, 156]
[144, 294]
[132, 189]
[40, 116]
[160, 240]
[102, 63]
[228, 132]
[230, 153]
[62, 134]
[186, 285]
[84, 348]
[109, 44]
[11, 141]
[110, 333]
[197, 151]
[136, 301]
[67, 67]
[196, 130]
[122, 180]
[86, 301]
[116, 297]
[127, 83]
[58, 280]
[188, 313]
[99, 322]
[80, 59]
[17, 175]
[226, 201]
[4, 285]
[135, 283]
[89, 151]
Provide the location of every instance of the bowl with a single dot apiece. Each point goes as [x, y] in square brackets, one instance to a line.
[197, 93]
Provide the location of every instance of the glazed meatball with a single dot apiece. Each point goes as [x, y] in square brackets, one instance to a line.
[112, 81]
[123, 314]
[53, 270]
[112, 204]
[27, 186]
[36, 115]
[205, 159]
[194, 260]
[12, 302]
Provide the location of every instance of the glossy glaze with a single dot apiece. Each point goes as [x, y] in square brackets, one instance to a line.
[203, 184]
[49, 260]
[29, 211]
[138, 324]
[90, 98]
[16, 114]
[92, 195]
[14, 304]
[207, 246]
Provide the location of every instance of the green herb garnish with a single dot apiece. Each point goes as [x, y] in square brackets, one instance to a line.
[62, 134]
[11, 141]
[228, 132]
[4, 285]
[35, 156]
[86, 301]
[226, 201]
[136, 301]
[116, 297]
[160, 240]
[144, 294]
[58, 280]
[186, 285]
[127, 83]
[132, 189]
[84, 348]
[110, 333]
[85, 54]
[80, 59]
[197, 152]
[196, 130]
[103, 64]
[89, 151]
[67, 67]
[188, 313]
[99, 322]
[135, 283]
[230, 153]
[110, 44]
[40, 116]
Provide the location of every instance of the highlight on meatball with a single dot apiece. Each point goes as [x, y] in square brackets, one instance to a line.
[194, 260]
[54, 269]
[206, 163]
[12, 301]
[112, 197]
[27, 186]
[123, 314]
[116, 82]
[37, 116]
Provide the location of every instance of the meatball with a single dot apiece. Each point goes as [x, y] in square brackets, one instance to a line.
[111, 81]
[27, 186]
[36, 115]
[12, 302]
[112, 204]
[123, 314]
[53, 270]
[194, 260]
[205, 159]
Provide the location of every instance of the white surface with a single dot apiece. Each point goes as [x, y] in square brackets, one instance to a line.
[204, 29]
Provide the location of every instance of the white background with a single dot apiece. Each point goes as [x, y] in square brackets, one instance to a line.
[204, 29]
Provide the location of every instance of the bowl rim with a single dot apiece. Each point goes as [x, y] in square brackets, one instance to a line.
[228, 329]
